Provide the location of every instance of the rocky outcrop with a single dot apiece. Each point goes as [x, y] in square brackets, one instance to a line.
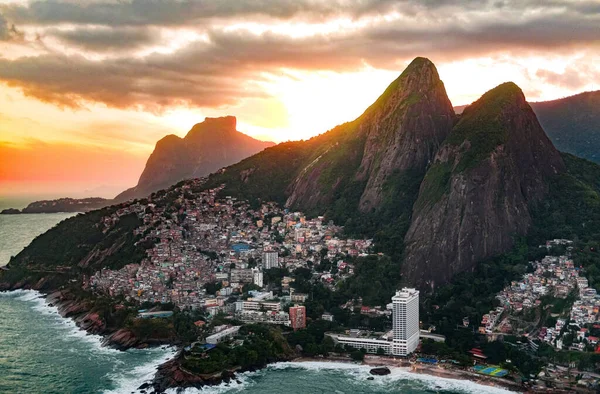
[208, 146]
[476, 196]
[380, 371]
[397, 135]
[10, 211]
[171, 375]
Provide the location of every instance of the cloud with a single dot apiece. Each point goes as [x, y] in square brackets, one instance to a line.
[192, 12]
[107, 39]
[166, 12]
[573, 77]
[7, 31]
[229, 64]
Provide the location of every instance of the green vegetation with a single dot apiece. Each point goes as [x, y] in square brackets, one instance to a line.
[375, 280]
[57, 254]
[573, 124]
[571, 210]
[261, 345]
[435, 184]
[481, 124]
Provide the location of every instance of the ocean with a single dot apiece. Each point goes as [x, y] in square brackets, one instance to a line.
[41, 352]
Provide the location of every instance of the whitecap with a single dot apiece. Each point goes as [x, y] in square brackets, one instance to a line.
[361, 372]
[127, 381]
[241, 382]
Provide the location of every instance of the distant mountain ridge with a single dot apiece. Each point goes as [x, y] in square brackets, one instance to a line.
[62, 205]
[572, 123]
[207, 147]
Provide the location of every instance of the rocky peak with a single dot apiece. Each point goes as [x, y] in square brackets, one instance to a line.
[223, 124]
[207, 147]
[404, 127]
[477, 194]
[395, 137]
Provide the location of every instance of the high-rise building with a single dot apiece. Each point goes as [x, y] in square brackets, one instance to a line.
[270, 259]
[405, 323]
[298, 317]
[404, 337]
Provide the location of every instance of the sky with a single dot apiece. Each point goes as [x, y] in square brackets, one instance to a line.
[87, 87]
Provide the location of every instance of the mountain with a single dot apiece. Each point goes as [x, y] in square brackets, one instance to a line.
[207, 147]
[572, 123]
[397, 135]
[476, 196]
[365, 173]
[437, 192]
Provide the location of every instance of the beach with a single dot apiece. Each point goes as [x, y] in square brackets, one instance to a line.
[446, 371]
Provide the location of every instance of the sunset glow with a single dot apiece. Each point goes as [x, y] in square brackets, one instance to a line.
[88, 87]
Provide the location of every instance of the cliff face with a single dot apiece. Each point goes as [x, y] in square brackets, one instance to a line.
[477, 194]
[208, 146]
[405, 130]
[399, 133]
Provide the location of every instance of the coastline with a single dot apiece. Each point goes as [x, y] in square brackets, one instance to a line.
[422, 369]
[80, 312]
[169, 375]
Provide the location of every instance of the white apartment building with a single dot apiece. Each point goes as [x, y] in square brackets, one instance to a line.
[405, 333]
[405, 321]
[221, 335]
[270, 260]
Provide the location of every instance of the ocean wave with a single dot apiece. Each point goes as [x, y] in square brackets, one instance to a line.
[18, 293]
[71, 330]
[122, 378]
[128, 381]
[240, 383]
[398, 374]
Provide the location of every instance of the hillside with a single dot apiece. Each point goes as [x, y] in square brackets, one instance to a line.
[207, 147]
[573, 124]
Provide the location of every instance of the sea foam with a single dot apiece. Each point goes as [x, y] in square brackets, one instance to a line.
[361, 372]
[128, 381]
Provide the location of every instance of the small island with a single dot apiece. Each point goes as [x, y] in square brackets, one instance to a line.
[10, 211]
[61, 205]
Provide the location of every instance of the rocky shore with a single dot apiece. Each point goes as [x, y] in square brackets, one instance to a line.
[172, 375]
[81, 312]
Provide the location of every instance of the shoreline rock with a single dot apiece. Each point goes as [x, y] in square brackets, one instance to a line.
[380, 371]
[10, 211]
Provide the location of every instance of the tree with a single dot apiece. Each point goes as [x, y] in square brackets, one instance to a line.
[380, 351]
[357, 355]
